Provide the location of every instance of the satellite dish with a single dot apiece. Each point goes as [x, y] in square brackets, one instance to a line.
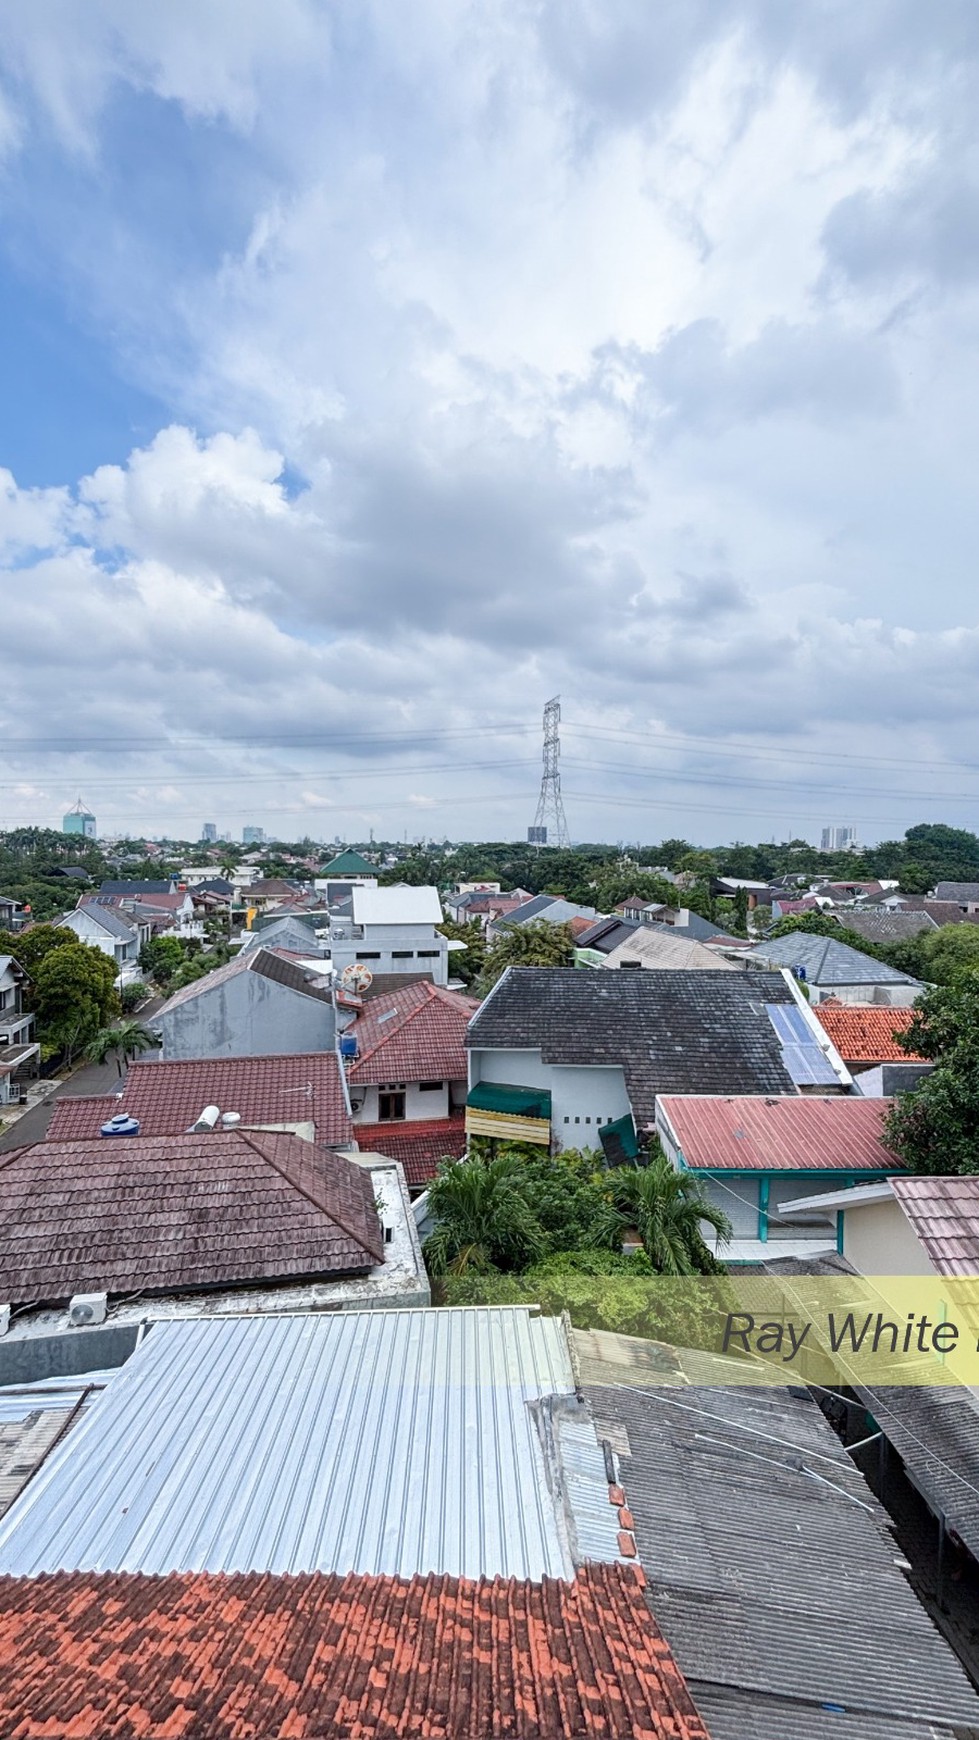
[356, 977]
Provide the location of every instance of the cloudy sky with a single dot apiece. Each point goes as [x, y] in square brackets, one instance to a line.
[371, 372]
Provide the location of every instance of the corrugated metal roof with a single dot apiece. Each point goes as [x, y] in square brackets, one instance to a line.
[389, 1442]
[770, 1569]
[944, 1213]
[791, 1134]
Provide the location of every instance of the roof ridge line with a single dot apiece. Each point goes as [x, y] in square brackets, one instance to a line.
[252, 1138]
[383, 1038]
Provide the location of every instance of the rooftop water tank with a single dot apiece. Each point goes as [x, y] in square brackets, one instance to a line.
[348, 1045]
[121, 1125]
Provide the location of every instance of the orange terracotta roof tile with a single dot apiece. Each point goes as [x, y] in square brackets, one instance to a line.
[416, 1033]
[419, 1145]
[864, 1034]
[198, 1657]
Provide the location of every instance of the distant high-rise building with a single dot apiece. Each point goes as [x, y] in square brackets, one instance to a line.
[79, 820]
[838, 839]
[253, 836]
[209, 832]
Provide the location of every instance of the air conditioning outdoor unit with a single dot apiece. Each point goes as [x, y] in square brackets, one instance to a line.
[87, 1308]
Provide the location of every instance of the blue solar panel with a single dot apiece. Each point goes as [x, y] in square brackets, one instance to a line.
[802, 1054]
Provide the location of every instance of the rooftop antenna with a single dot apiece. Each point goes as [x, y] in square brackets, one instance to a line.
[550, 825]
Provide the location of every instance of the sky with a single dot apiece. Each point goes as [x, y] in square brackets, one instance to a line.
[371, 373]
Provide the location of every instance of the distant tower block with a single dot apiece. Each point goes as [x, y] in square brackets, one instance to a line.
[79, 820]
[550, 826]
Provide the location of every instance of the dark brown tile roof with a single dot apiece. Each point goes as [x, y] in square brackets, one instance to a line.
[83, 1656]
[167, 1098]
[419, 1146]
[416, 1033]
[944, 1213]
[162, 1214]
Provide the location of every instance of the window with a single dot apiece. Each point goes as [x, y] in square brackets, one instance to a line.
[587, 1120]
[429, 954]
[364, 955]
[577, 1120]
[402, 954]
[390, 1105]
[430, 1087]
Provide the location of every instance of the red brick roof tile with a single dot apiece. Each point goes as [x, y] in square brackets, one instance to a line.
[865, 1035]
[414, 1034]
[200, 1657]
[161, 1214]
[167, 1098]
[418, 1145]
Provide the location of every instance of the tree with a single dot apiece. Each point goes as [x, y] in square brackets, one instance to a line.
[936, 1128]
[481, 1219]
[537, 944]
[161, 957]
[74, 995]
[470, 964]
[741, 912]
[125, 1041]
[668, 1207]
[30, 947]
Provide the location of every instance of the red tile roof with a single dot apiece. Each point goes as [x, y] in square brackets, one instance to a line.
[944, 1213]
[419, 1146]
[161, 1214]
[800, 1133]
[413, 1034]
[167, 1098]
[201, 1657]
[865, 1035]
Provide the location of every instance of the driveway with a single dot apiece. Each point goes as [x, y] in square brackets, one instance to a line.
[92, 1078]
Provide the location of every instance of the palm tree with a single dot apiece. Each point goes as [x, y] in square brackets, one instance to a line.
[668, 1207]
[481, 1220]
[125, 1040]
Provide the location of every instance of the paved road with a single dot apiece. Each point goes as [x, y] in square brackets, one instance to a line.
[93, 1078]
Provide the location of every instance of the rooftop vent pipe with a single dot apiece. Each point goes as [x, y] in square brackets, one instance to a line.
[208, 1119]
[230, 1120]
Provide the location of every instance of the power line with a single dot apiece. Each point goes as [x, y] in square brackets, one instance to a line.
[673, 741]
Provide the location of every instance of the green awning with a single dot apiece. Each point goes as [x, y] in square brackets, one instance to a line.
[620, 1144]
[514, 1102]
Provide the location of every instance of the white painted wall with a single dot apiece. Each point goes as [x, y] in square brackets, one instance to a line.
[878, 1240]
[583, 1097]
[418, 1105]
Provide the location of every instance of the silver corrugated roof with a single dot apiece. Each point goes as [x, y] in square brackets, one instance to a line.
[388, 1442]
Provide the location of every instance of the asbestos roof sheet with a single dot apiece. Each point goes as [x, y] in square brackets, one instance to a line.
[317, 1656]
[382, 1442]
[771, 1571]
[670, 1032]
[416, 1033]
[417, 1145]
[161, 1214]
[796, 1134]
[168, 1097]
[865, 1035]
[944, 1213]
[662, 946]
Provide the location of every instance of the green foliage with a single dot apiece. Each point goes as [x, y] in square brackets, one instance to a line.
[161, 957]
[936, 1128]
[481, 1219]
[30, 947]
[568, 1195]
[124, 1041]
[537, 944]
[131, 996]
[606, 1290]
[469, 965]
[73, 996]
[668, 1207]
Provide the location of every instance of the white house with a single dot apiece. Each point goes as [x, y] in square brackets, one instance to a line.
[19, 1051]
[108, 929]
[393, 930]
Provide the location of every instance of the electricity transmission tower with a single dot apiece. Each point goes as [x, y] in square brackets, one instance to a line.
[550, 826]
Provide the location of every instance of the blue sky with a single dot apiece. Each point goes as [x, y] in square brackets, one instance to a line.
[370, 374]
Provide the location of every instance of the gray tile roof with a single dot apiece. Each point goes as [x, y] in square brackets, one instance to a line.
[777, 1593]
[671, 1032]
[883, 927]
[960, 892]
[549, 907]
[255, 960]
[109, 917]
[163, 886]
[828, 962]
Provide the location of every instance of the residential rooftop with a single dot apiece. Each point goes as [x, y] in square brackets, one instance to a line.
[415, 1033]
[799, 1133]
[828, 962]
[149, 1214]
[865, 1035]
[281, 1091]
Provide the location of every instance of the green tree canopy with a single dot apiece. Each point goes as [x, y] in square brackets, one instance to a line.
[668, 1207]
[30, 947]
[537, 944]
[936, 1128]
[74, 995]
